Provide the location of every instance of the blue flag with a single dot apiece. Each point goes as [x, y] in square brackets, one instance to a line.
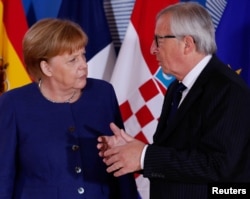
[232, 22]
[90, 15]
[100, 52]
[233, 37]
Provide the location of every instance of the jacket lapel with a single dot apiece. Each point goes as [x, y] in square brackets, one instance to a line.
[165, 110]
[164, 130]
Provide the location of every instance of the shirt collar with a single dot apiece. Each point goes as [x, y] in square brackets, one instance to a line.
[191, 77]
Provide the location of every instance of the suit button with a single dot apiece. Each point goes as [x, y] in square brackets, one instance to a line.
[78, 169]
[71, 129]
[75, 147]
[80, 190]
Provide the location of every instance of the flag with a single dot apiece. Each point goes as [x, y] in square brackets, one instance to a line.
[139, 82]
[232, 29]
[233, 37]
[13, 26]
[90, 15]
[100, 50]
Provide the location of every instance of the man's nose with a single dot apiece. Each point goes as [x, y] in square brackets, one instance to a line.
[153, 48]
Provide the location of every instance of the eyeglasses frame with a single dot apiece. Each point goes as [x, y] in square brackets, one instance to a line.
[157, 37]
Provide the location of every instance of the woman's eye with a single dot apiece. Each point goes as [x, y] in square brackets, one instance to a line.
[73, 60]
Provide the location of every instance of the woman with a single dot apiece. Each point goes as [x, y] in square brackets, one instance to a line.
[49, 128]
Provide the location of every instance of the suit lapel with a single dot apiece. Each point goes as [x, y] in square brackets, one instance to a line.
[163, 130]
[165, 109]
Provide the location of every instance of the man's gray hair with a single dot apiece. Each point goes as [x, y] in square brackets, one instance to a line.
[192, 19]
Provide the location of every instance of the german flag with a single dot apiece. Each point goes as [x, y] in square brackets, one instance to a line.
[13, 26]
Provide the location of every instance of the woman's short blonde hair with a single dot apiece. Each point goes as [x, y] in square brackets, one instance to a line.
[50, 37]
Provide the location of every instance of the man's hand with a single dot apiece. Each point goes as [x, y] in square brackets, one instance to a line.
[107, 142]
[121, 152]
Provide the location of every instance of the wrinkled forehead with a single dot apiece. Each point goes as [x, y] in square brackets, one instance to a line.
[163, 24]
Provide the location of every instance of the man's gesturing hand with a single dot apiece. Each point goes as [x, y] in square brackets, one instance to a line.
[121, 152]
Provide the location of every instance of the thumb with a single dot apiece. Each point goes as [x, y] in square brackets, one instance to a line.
[116, 130]
[125, 136]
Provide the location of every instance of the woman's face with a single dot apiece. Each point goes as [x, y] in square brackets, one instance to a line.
[69, 71]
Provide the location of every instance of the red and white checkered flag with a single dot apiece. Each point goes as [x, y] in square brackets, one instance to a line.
[139, 82]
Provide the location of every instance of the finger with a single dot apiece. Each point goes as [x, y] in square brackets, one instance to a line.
[102, 149]
[120, 172]
[105, 159]
[112, 156]
[116, 130]
[100, 146]
[101, 154]
[114, 167]
[126, 136]
[111, 151]
[102, 139]
[110, 159]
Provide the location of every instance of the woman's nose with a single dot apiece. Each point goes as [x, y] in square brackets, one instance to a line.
[84, 65]
[84, 62]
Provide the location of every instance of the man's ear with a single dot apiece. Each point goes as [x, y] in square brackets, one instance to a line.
[189, 44]
[45, 68]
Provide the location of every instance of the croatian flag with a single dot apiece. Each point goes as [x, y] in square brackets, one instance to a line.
[138, 80]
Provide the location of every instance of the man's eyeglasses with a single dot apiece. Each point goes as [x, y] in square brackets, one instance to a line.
[157, 37]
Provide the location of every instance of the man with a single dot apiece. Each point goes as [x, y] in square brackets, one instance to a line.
[207, 139]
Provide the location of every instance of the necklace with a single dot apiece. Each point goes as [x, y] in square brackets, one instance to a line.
[67, 101]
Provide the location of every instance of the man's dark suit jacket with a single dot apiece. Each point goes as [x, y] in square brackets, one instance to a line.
[207, 141]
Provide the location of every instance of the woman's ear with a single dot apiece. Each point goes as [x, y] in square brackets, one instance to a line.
[45, 68]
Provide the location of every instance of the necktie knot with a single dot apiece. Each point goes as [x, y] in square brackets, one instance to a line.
[180, 87]
[178, 93]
